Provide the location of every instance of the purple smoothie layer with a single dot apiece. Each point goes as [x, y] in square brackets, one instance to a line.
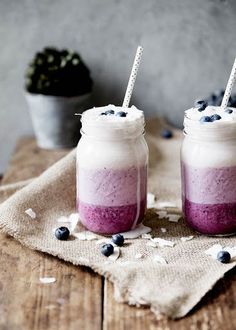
[110, 219]
[211, 219]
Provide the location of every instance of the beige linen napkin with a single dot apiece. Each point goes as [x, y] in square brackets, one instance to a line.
[172, 288]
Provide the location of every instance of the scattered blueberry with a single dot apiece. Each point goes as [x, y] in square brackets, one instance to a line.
[107, 249]
[118, 239]
[215, 117]
[224, 257]
[201, 105]
[121, 114]
[62, 233]
[228, 111]
[102, 114]
[166, 134]
[205, 119]
[109, 112]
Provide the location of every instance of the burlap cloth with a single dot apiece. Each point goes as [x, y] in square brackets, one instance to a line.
[172, 289]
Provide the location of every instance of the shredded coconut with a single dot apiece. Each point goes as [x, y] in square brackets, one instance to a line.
[146, 236]
[138, 256]
[160, 259]
[163, 242]
[85, 236]
[115, 255]
[162, 214]
[30, 213]
[186, 238]
[163, 230]
[150, 200]
[173, 217]
[136, 232]
[47, 280]
[151, 243]
[166, 205]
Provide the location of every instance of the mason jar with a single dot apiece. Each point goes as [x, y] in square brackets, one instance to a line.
[112, 158]
[208, 166]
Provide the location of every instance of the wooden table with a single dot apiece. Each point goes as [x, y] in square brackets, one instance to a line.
[81, 299]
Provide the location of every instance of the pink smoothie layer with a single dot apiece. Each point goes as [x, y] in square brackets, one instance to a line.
[209, 199]
[110, 219]
[112, 187]
[111, 200]
[209, 185]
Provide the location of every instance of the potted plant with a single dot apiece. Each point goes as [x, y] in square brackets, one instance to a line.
[58, 85]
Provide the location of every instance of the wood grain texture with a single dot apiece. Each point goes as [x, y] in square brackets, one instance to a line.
[29, 160]
[74, 301]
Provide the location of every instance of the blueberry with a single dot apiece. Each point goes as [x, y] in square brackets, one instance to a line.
[215, 117]
[121, 114]
[205, 119]
[109, 112]
[200, 105]
[228, 111]
[118, 239]
[62, 233]
[102, 114]
[224, 257]
[166, 133]
[107, 249]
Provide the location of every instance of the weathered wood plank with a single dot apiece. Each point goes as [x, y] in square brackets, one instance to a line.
[216, 311]
[30, 161]
[74, 301]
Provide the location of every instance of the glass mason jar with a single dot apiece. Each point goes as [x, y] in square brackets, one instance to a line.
[208, 166]
[112, 157]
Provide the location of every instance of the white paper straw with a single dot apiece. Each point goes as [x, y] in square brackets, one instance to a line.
[229, 86]
[132, 77]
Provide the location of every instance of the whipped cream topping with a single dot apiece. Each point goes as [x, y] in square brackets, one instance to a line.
[94, 123]
[224, 128]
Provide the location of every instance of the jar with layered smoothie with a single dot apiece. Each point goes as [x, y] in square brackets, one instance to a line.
[208, 162]
[112, 158]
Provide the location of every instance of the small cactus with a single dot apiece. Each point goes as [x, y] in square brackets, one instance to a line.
[59, 73]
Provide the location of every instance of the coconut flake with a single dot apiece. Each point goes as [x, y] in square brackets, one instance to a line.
[73, 219]
[151, 244]
[174, 217]
[63, 219]
[103, 241]
[146, 236]
[163, 230]
[47, 280]
[115, 255]
[30, 213]
[163, 242]
[136, 232]
[138, 256]
[186, 238]
[166, 205]
[160, 259]
[213, 251]
[85, 236]
[150, 200]
[162, 214]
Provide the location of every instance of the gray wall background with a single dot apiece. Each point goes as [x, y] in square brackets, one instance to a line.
[189, 48]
